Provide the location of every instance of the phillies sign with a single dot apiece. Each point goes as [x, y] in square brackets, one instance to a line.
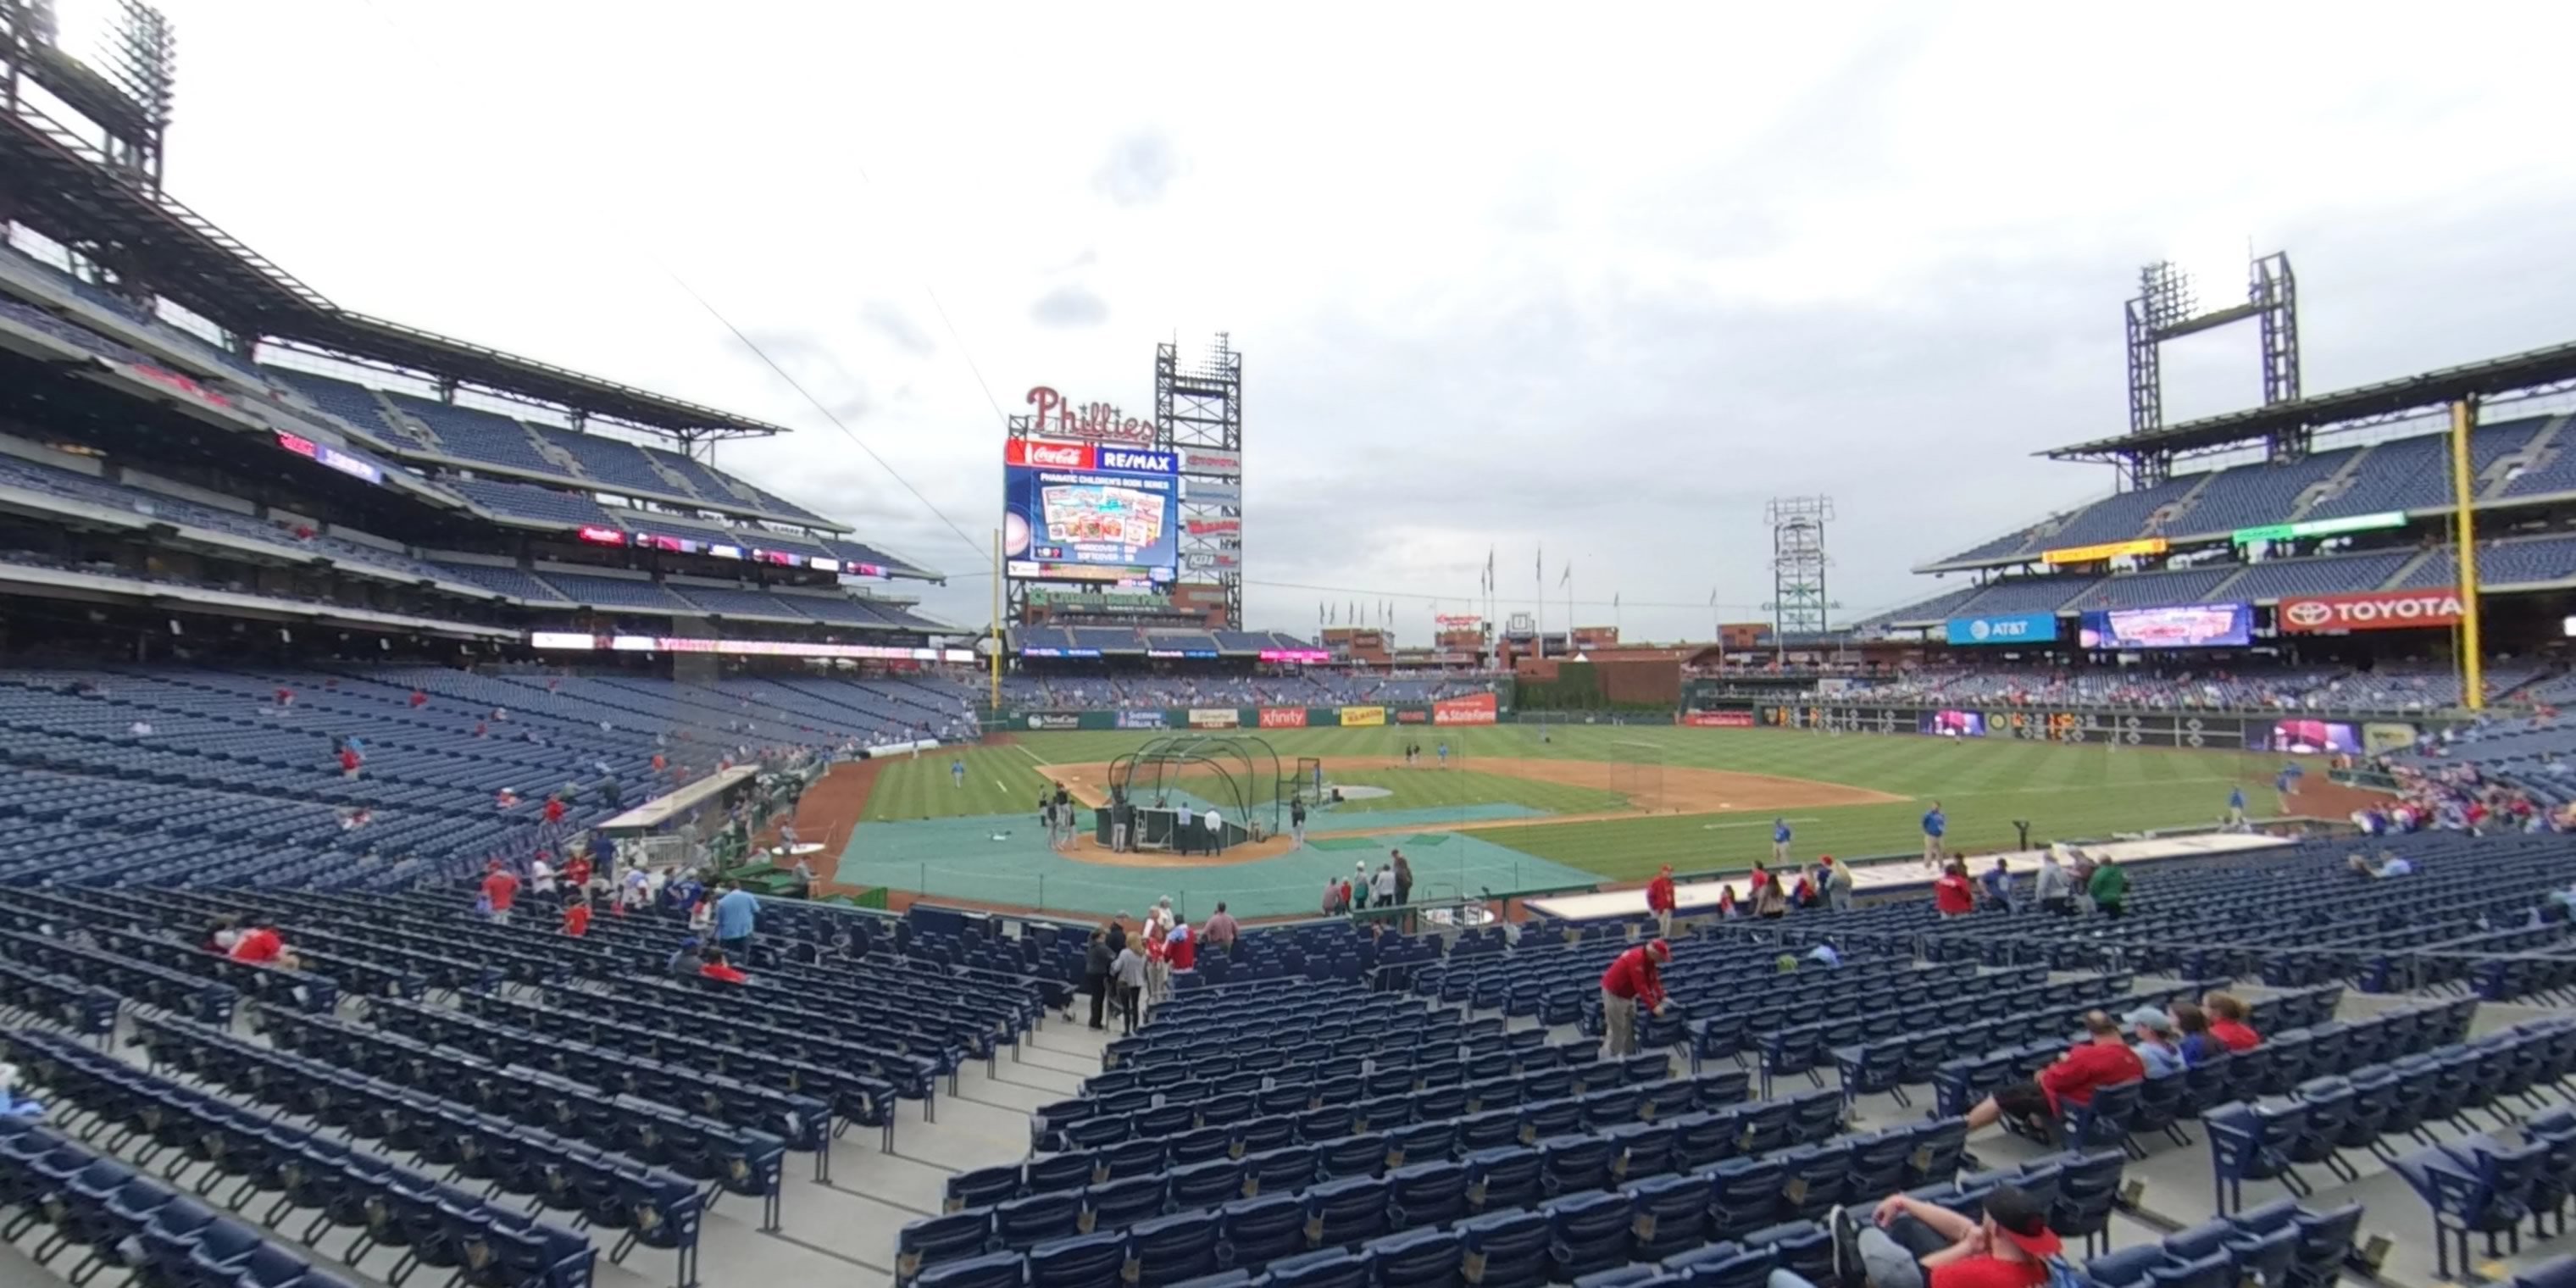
[1037, 453]
[2375, 610]
[1099, 422]
[1214, 527]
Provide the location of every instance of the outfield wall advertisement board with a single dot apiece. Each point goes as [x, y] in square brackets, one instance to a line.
[1477, 709]
[1360, 717]
[1141, 720]
[1283, 717]
[1215, 717]
[1718, 719]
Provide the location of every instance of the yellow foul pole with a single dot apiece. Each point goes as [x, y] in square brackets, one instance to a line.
[2464, 532]
[997, 622]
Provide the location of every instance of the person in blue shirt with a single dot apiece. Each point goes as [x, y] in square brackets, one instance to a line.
[2197, 1045]
[957, 772]
[736, 911]
[2236, 807]
[1780, 841]
[1934, 824]
[2286, 785]
[1444, 755]
[2155, 1031]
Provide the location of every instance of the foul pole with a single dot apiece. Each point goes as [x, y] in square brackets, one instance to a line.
[2464, 533]
[997, 623]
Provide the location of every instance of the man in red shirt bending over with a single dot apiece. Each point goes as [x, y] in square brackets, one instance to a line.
[1635, 979]
[1952, 895]
[1659, 901]
[2103, 1059]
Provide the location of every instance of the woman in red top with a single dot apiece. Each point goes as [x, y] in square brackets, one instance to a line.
[2227, 1022]
[577, 915]
[1952, 896]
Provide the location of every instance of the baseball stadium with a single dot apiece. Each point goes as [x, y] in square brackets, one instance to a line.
[453, 831]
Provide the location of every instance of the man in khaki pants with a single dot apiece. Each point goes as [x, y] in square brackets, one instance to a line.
[1635, 978]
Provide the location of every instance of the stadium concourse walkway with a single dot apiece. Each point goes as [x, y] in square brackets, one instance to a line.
[1004, 859]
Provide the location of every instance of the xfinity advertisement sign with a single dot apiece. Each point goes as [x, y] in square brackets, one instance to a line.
[2004, 628]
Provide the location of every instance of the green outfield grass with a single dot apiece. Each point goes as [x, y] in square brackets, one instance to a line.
[999, 780]
[2064, 790]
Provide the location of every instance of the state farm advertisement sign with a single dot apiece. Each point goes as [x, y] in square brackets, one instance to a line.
[2374, 610]
[1283, 717]
[1478, 710]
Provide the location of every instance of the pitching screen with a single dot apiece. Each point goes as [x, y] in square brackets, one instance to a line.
[1083, 512]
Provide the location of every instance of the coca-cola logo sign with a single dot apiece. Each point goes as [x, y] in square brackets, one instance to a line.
[2376, 610]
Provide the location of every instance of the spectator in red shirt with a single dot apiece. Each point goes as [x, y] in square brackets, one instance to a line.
[348, 762]
[1635, 979]
[286, 697]
[554, 809]
[1659, 900]
[500, 890]
[577, 914]
[419, 699]
[1952, 895]
[660, 762]
[2227, 1022]
[1916, 1243]
[1183, 952]
[577, 872]
[716, 968]
[2103, 1059]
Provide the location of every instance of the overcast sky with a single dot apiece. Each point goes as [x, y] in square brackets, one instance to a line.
[1601, 279]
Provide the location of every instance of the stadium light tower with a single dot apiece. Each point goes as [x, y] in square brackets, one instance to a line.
[1199, 413]
[1798, 562]
[2167, 307]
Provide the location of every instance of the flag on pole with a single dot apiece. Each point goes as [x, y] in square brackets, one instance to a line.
[1566, 578]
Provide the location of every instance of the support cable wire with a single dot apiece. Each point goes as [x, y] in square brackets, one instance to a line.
[826, 412]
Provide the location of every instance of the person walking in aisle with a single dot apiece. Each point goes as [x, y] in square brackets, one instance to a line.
[1935, 823]
[1780, 833]
[1129, 970]
[1095, 973]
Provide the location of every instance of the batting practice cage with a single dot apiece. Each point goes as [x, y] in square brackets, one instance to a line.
[1238, 775]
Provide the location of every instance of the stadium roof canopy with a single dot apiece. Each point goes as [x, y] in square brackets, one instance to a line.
[63, 185]
[2535, 371]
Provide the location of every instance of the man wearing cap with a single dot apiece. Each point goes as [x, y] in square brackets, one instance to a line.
[2102, 1059]
[1912, 1243]
[2156, 1033]
[1659, 900]
[1634, 978]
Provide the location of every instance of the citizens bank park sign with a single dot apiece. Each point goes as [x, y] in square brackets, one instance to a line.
[2376, 610]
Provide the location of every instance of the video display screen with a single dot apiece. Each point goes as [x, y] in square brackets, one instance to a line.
[2184, 626]
[1087, 525]
[1955, 724]
[2309, 738]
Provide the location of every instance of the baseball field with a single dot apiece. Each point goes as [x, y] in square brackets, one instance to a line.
[1509, 808]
